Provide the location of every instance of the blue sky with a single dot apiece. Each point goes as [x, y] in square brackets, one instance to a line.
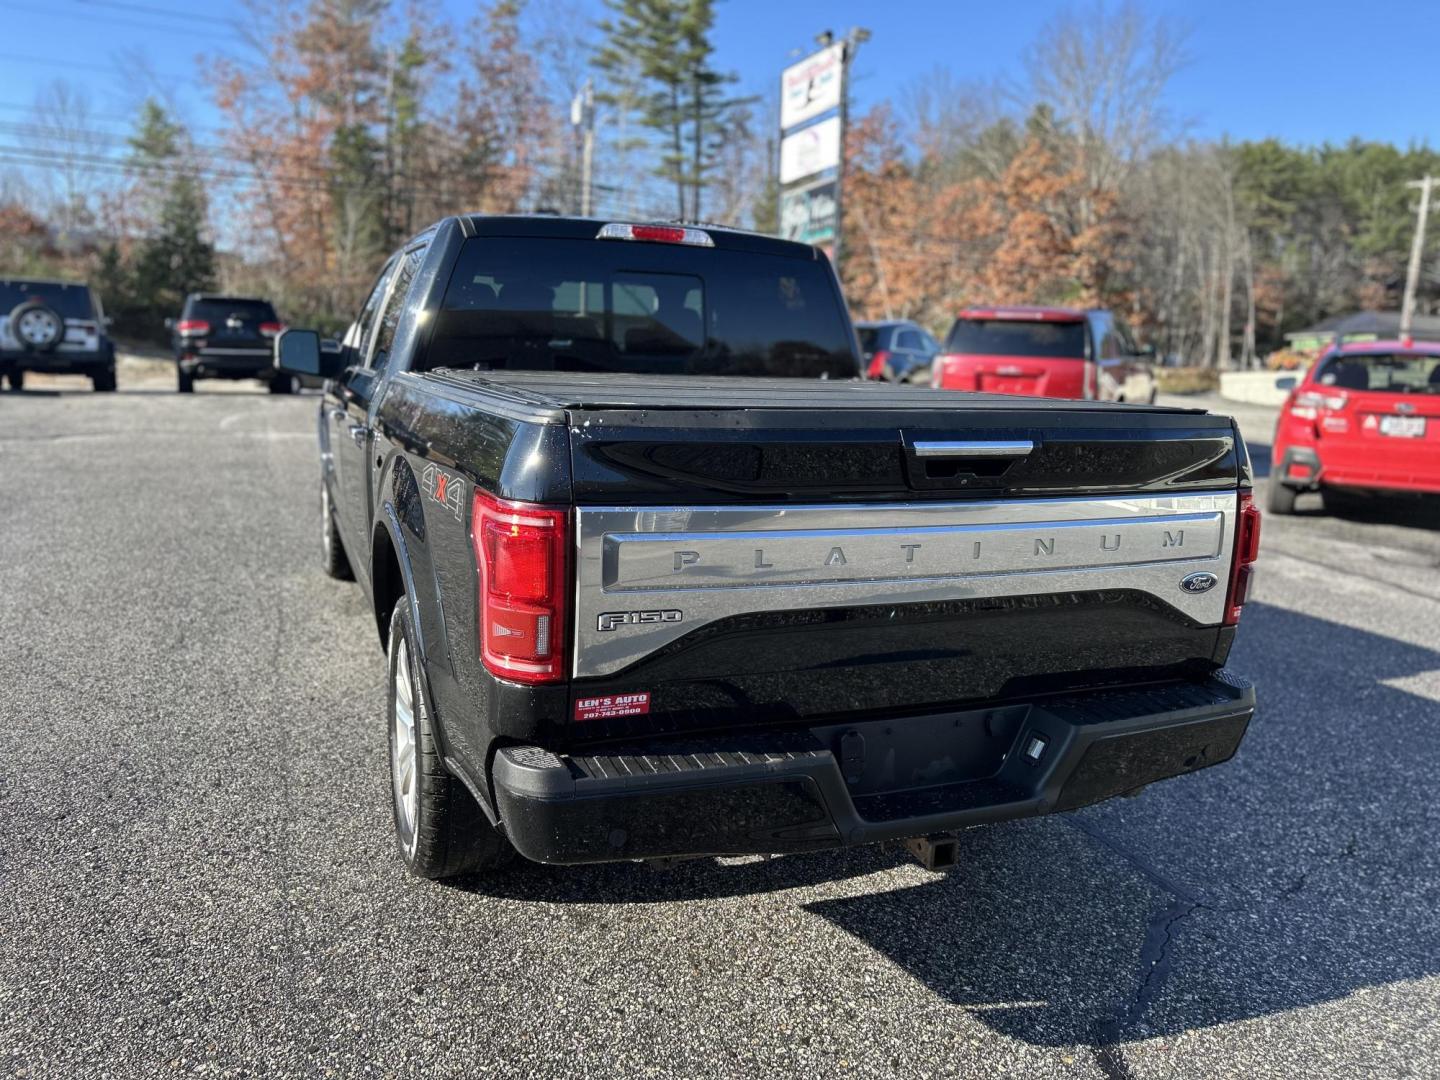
[1305, 71]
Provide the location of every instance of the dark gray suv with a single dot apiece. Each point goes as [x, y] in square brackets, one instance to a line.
[897, 351]
[56, 327]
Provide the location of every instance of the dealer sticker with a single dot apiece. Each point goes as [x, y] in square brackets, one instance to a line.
[612, 706]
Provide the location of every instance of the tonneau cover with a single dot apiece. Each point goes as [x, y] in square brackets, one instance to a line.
[580, 390]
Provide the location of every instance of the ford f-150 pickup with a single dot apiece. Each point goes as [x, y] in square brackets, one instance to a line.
[658, 575]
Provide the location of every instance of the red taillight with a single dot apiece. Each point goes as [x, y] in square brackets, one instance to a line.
[1247, 550]
[190, 327]
[1308, 404]
[271, 329]
[877, 365]
[521, 553]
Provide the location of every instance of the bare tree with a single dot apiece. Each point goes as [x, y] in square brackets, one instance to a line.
[63, 135]
[1103, 72]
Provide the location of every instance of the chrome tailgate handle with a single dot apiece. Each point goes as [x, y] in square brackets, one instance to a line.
[990, 448]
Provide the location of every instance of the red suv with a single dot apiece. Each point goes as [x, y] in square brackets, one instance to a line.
[1045, 352]
[1367, 417]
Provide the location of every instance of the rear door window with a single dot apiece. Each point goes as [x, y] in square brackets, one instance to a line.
[405, 272]
[1018, 337]
[910, 339]
[537, 304]
[362, 330]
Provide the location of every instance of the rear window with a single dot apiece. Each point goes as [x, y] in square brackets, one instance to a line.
[1386, 372]
[218, 309]
[1013, 337]
[70, 301]
[533, 304]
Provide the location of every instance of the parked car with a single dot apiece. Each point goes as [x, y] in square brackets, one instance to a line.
[1364, 419]
[55, 327]
[227, 337]
[896, 351]
[658, 575]
[1046, 352]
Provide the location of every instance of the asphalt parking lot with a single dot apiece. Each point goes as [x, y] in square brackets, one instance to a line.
[197, 874]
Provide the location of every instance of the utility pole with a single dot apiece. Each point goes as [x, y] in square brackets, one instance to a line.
[582, 117]
[1417, 251]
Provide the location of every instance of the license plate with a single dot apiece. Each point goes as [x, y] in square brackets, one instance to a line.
[1404, 427]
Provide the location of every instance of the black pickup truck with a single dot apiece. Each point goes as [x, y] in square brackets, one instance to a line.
[658, 575]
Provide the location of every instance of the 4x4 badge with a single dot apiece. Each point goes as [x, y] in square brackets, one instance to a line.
[1201, 581]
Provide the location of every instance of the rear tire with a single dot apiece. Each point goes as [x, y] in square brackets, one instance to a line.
[1280, 499]
[439, 828]
[282, 384]
[104, 381]
[16, 379]
[333, 559]
[184, 384]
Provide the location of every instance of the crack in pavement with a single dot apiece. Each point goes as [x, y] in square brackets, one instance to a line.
[1160, 932]
[1154, 967]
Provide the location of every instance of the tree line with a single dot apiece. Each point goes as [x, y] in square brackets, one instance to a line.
[1074, 185]
[348, 124]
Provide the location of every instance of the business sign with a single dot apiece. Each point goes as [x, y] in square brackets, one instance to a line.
[810, 150]
[809, 214]
[813, 86]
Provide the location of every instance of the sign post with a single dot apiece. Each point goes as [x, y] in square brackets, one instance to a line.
[813, 96]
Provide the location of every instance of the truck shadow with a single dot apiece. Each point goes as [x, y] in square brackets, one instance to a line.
[1292, 876]
[1268, 884]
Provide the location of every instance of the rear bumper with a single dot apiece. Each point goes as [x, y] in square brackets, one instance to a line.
[840, 785]
[1303, 468]
[57, 362]
[228, 364]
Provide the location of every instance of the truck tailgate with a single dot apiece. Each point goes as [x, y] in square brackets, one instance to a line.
[753, 553]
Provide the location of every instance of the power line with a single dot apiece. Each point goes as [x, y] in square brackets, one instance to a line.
[105, 20]
[150, 9]
[71, 64]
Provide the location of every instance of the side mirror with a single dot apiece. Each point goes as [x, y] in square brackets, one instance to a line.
[301, 352]
[1286, 383]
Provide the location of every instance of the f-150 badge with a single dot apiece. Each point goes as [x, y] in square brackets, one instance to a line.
[613, 620]
[443, 487]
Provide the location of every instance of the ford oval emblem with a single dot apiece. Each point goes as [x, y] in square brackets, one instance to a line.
[1201, 581]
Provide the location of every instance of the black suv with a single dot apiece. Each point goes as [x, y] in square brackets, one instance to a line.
[56, 327]
[226, 337]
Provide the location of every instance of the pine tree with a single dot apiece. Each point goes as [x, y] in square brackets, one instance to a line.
[173, 257]
[657, 60]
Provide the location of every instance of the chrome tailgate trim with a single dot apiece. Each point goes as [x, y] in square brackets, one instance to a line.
[638, 568]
